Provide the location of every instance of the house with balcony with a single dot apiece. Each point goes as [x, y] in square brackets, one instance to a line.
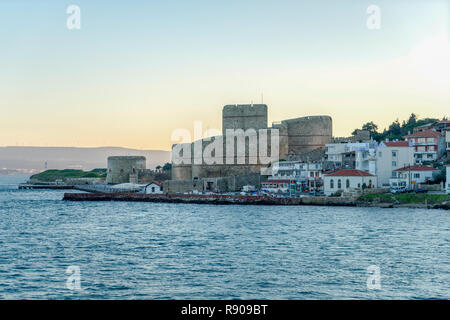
[429, 145]
[305, 174]
[366, 159]
[279, 186]
[412, 176]
[390, 156]
[344, 155]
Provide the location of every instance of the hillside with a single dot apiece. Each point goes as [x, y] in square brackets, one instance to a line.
[72, 158]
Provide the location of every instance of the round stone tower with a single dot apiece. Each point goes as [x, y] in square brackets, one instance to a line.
[121, 167]
[308, 133]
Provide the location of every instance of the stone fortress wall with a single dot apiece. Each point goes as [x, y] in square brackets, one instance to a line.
[296, 136]
[121, 167]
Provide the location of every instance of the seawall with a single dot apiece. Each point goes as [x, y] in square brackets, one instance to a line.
[209, 199]
[244, 200]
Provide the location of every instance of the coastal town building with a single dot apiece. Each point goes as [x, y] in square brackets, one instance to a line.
[440, 126]
[390, 156]
[348, 180]
[279, 186]
[343, 155]
[366, 158]
[411, 176]
[308, 175]
[429, 145]
[154, 188]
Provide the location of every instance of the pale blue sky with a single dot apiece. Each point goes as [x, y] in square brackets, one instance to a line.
[135, 64]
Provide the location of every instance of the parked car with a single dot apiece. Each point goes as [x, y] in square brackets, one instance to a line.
[421, 190]
[398, 190]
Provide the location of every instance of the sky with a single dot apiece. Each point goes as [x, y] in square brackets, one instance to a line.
[136, 71]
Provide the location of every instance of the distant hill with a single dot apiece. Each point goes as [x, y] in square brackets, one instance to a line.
[72, 158]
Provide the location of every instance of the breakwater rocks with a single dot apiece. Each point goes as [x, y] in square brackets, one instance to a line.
[210, 199]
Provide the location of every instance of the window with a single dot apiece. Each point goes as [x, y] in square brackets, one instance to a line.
[153, 189]
[359, 185]
[339, 184]
[347, 183]
[416, 175]
[331, 184]
[429, 156]
[370, 183]
[394, 154]
[379, 154]
[394, 163]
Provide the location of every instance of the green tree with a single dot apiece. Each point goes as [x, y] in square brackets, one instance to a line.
[370, 126]
[395, 128]
[412, 119]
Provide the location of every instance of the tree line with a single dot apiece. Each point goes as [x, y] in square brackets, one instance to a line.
[396, 130]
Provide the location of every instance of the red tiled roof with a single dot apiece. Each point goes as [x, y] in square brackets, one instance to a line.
[350, 173]
[426, 133]
[417, 168]
[396, 143]
[157, 183]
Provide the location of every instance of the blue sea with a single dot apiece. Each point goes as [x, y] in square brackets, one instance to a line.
[181, 251]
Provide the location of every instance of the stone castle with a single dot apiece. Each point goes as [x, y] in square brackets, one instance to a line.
[296, 137]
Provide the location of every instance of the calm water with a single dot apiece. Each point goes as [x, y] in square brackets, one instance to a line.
[173, 251]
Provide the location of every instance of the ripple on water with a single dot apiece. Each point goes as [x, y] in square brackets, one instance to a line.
[173, 251]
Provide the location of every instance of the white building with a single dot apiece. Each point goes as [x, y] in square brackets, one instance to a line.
[429, 145]
[348, 180]
[447, 179]
[154, 188]
[279, 186]
[411, 176]
[390, 156]
[343, 155]
[306, 173]
[366, 160]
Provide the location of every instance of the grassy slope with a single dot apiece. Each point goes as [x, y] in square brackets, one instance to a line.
[405, 198]
[52, 175]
